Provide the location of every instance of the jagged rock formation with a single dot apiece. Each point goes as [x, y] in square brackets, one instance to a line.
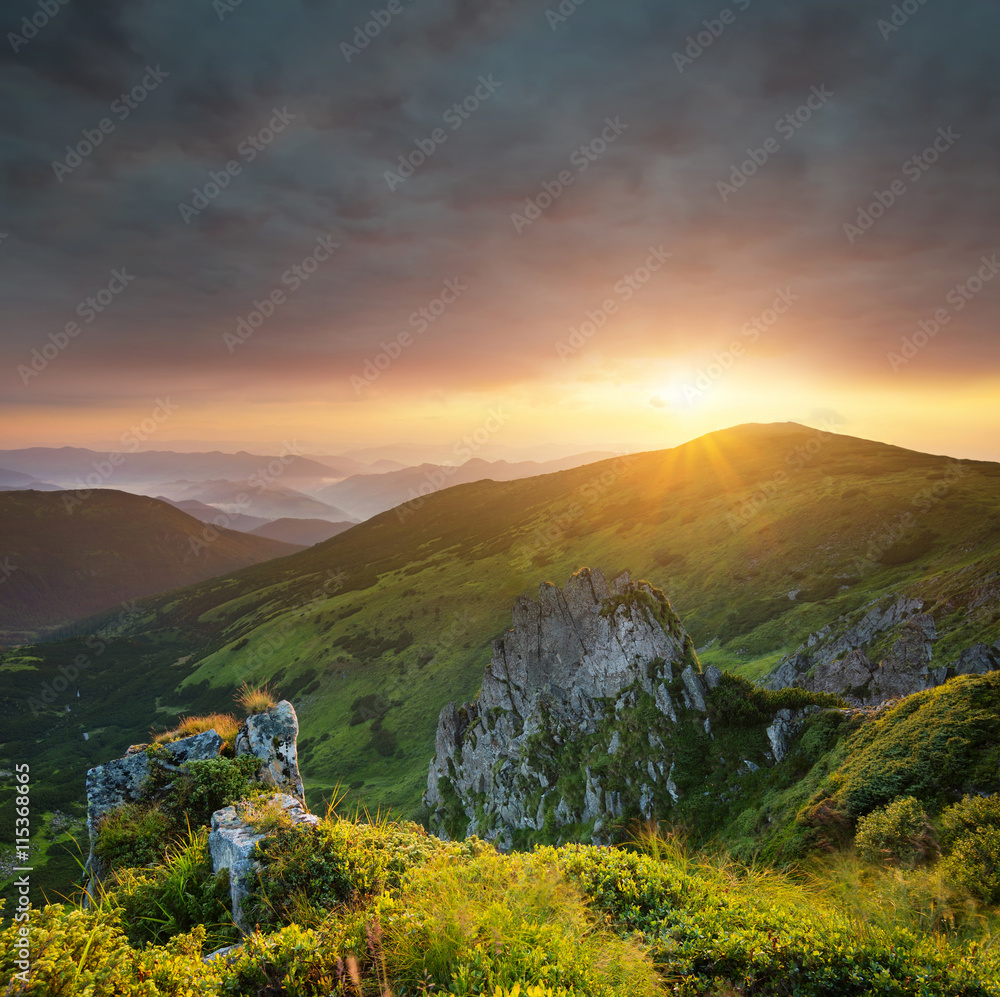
[888, 653]
[582, 718]
[231, 844]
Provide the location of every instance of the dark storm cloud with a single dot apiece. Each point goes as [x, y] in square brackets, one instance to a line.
[350, 121]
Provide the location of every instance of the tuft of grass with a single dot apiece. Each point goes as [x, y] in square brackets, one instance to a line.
[224, 724]
[255, 698]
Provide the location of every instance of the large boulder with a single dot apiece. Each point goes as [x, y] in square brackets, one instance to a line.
[887, 653]
[271, 736]
[124, 780]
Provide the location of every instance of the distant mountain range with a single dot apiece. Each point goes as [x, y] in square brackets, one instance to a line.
[253, 489]
[76, 467]
[366, 495]
[14, 480]
[69, 555]
[256, 501]
[210, 514]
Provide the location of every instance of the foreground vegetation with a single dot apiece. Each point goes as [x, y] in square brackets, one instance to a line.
[348, 907]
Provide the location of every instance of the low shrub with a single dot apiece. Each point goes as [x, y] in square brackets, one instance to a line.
[971, 831]
[900, 833]
[134, 834]
[205, 785]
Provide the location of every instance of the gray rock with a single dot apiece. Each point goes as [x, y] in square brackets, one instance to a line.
[712, 677]
[786, 725]
[976, 660]
[231, 843]
[838, 658]
[572, 663]
[695, 689]
[271, 736]
[123, 780]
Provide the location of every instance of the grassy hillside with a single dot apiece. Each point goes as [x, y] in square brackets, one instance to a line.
[69, 555]
[373, 631]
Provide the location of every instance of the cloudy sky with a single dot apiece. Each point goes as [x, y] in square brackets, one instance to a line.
[604, 225]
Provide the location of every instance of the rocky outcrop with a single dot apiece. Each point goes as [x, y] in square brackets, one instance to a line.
[888, 653]
[270, 736]
[231, 844]
[124, 780]
[580, 720]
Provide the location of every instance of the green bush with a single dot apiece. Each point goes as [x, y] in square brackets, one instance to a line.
[970, 815]
[319, 866]
[133, 834]
[974, 865]
[204, 786]
[900, 833]
[928, 746]
[971, 831]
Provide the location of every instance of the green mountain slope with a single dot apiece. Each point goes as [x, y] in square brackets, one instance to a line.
[373, 631]
[69, 555]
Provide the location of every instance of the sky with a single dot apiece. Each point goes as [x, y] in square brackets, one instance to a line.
[579, 225]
